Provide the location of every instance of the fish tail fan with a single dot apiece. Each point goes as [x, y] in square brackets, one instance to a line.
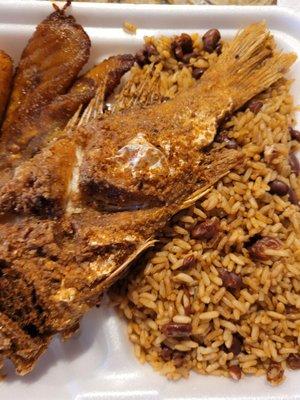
[249, 65]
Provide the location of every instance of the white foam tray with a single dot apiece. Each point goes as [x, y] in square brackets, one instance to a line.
[99, 364]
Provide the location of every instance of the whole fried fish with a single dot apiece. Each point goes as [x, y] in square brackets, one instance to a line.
[70, 235]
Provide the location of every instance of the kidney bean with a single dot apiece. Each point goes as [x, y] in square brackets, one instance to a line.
[278, 187]
[229, 143]
[206, 230]
[219, 48]
[236, 346]
[257, 250]
[142, 57]
[235, 372]
[255, 106]
[189, 261]
[211, 39]
[166, 353]
[295, 135]
[197, 72]
[173, 329]
[293, 198]
[231, 280]
[294, 163]
[182, 45]
[275, 373]
[290, 309]
[178, 358]
[187, 57]
[293, 361]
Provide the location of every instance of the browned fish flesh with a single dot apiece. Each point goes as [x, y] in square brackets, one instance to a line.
[6, 74]
[150, 157]
[26, 348]
[54, 117]
[130, 163]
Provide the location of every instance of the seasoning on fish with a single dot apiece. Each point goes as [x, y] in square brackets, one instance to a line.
[115, 182]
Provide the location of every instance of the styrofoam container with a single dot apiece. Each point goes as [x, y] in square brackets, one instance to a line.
[99, 363]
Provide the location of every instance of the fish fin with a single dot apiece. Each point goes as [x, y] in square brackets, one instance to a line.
[197, 195]
[251, 64]
[95, 107]
[73, 121]
[248, 65]
[114, 276]
[92, 111]
[218, 163]
[145, 93]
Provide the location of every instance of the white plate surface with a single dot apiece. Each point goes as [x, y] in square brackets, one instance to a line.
[99, 364]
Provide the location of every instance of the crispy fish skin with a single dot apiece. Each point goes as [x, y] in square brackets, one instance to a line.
[6, 74]
[49, 65]
[40, 185]
[150, 157]
[53, 118]
[71, 260]
[19, 346]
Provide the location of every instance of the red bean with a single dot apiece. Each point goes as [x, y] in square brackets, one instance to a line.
[182, 45]
[275, 373]
[229, 143]
[293, 198]
[166, 353]
[187, 57]
[211, 39]
[278, 187]
[294, 163]
[257, 250]
[219, 48]
[206, 230]
[255, 106]
[293, 361]
[173, 329]
[295, 135]
[290, 309]
[178, 358]
[197, 72]
[236, 346]
[235, 372]
[142, 57]
[189, 261]
[231, 280]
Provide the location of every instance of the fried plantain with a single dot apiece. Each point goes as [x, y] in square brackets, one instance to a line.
[6, 73]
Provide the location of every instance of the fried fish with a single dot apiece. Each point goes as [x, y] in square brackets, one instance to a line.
[126, 175]
[150, 157]
[48, 67]
[53, 118]
[6, 73]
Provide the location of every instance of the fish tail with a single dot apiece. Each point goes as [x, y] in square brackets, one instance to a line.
[251, 64]
[248, 65]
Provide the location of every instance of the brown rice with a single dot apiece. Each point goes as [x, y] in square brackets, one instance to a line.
[263, 317]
